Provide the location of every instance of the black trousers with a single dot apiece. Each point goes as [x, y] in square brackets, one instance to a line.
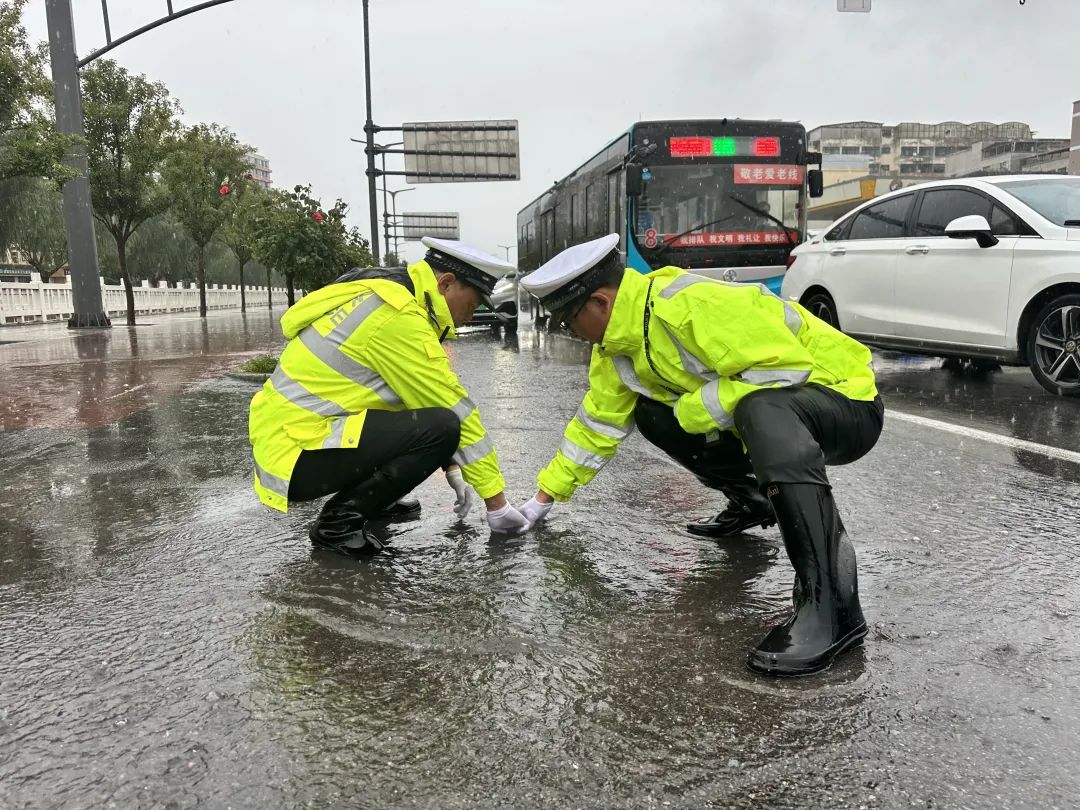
[791, 434]
[396, 452]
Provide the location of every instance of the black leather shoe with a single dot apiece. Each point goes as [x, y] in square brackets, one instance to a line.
[828, 618]
[736, 519]
[407, 508]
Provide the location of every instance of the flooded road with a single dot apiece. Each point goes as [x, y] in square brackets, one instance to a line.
[165, 641]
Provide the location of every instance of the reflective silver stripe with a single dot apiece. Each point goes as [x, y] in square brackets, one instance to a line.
[330, 352]
[681, 283]
[346, 326]
[579, 455]
[710, 397]
[279, 486]
[774, 376]
[463, 408]
[474, 452]
[300, 396]
[624, 367]
[337, 433]
[690, 362]
[602, 427]
[792, 318]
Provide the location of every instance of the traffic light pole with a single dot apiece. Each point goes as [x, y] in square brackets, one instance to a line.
[369, 130]
[87, 309]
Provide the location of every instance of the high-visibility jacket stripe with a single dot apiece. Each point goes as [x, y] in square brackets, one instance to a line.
[602, 427]
[302, 398]
[329, 351]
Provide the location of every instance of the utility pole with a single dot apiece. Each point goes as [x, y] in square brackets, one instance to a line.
[369, 130]
[87, 309]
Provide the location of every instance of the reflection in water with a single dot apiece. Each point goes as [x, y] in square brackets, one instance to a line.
[155, 618]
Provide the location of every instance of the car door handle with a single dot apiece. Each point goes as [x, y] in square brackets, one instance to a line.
[911, 250]
[838, 251]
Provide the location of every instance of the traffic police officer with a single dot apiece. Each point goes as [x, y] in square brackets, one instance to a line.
[752, 394]
[363, 404]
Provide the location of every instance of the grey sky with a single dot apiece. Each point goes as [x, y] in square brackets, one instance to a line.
[287, 75]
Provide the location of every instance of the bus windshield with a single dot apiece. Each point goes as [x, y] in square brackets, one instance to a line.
[699, 205]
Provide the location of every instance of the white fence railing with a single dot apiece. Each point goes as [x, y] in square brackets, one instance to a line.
[38, 302]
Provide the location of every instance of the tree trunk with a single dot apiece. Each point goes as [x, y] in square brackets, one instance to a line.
[129, 293]
[269, 291]
[200, 274]
[290, 294]
[243, 299]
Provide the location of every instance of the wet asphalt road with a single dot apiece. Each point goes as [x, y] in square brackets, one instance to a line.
[167, 642]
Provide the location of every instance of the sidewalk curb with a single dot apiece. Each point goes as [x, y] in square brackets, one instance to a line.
[244, 376]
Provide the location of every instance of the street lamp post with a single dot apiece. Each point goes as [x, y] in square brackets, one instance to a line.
[507, 249]
[369, 130]
[393, 198]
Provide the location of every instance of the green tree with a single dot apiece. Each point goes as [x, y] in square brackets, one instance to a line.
[29, 144]
[391, 259]
[130, 122]
[206, 165]
[308, 244]
[161, 251]
[37, 228]
[242, 229]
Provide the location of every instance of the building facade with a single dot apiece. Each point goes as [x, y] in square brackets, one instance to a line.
[1074, 149]
[260, 170]
[905, 150]
[1035, 156]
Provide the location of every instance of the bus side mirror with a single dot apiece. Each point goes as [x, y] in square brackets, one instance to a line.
[635, 183]
[815, 180]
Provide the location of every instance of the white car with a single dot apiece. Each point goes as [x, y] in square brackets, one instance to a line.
[982, 268]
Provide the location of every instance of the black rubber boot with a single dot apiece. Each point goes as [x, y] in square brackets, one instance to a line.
[340, 528]
[406, 508]
[746, 508]
[828, 618]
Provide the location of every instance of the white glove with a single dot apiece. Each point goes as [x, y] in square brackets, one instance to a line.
[534, 511]
[507, 520]
[466, 495]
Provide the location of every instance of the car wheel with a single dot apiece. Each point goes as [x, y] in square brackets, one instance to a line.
[823, 307]
[1053, 346]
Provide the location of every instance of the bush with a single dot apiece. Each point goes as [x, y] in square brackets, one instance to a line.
[263, 364]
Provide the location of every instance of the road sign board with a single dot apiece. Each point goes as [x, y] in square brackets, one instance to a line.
[439, 224]
[461, 151]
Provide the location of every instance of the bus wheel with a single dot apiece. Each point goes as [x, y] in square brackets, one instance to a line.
[823, 307]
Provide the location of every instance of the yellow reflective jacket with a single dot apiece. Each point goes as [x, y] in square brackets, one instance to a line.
[357, 346]
[708, 344]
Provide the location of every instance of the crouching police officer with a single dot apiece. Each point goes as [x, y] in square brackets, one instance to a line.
[750, 393]
[364, 405]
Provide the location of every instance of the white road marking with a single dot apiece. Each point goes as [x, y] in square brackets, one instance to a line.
[986, 436]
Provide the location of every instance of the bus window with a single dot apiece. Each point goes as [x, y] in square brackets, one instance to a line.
[614, 204]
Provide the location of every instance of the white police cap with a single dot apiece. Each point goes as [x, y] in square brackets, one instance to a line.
[469, 263]
[566, 277]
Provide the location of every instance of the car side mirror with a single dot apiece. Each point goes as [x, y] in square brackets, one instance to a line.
[815, 181]
[635, 182]
[974, 227]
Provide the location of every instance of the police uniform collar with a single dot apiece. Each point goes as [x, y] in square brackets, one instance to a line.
[432, 301]
[624, 333]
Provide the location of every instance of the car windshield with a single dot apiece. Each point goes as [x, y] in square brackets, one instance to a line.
[694, 203]
[1058, 200]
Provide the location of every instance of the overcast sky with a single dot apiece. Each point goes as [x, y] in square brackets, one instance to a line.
[287, 75]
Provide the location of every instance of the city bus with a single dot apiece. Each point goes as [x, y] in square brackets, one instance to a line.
[725, 198]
